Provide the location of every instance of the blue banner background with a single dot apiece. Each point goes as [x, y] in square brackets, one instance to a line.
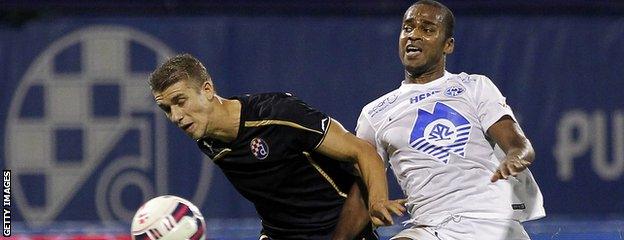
[561, 75]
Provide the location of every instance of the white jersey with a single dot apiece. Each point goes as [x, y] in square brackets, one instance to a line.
[434, 137]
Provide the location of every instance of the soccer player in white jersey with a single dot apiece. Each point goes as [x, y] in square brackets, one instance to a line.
[439, 132]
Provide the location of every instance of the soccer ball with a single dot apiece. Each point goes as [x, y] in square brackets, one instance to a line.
[168, 218]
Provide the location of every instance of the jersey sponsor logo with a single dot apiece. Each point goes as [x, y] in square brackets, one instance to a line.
[422, 96]
[440, 133]
[454, 91]
[383, 104]
[259, 148]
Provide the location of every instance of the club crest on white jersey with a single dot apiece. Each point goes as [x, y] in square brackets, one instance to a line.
[440, 133]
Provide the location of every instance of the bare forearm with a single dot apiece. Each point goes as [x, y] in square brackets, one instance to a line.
[522, 150]
[510, 137]
[342, 145]
[354, 216]
[518, 149]
[374, 176]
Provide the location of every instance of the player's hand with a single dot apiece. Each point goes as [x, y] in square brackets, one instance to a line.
[380, 211]
[511, 166]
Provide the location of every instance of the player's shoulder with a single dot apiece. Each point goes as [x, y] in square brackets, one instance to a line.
[278, 105]
[263, 105]
[379, 105]
[267, 98]
[468, 78]
[469, 81]
[270, 100]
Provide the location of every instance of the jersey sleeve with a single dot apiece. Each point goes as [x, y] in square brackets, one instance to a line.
[491, 104]
[364, 130]
[306, 126]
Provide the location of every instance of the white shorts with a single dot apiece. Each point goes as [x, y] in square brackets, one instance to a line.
[464, 228]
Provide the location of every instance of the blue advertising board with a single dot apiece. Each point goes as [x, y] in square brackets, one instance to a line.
[85, 142]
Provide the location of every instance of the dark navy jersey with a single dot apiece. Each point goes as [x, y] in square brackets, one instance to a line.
[273, 163]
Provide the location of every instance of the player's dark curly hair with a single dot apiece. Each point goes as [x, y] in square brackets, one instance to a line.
[178, 68]
[449, 18]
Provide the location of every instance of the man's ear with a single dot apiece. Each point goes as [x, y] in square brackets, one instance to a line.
[449, 45]
[208, 87]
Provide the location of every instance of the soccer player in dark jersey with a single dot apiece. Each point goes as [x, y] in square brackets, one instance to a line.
[294, 163]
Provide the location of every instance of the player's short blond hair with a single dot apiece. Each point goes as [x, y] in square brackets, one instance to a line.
[178, 68]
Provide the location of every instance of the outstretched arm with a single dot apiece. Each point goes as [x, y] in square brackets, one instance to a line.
[519, 151]
[341, 145]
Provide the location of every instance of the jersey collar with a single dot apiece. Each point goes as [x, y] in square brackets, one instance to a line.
[434, 83]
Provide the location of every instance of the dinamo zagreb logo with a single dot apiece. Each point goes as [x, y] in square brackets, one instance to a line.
[259, 148]
[83, 136]
[440, 133]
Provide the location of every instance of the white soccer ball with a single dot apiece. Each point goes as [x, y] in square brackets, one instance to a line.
[168, 218]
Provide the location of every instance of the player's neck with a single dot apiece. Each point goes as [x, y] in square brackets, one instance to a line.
[226, 130]
[423, 78]
[426, 76]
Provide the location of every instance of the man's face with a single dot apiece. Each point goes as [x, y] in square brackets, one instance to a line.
[187, 106]
[422, 43]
